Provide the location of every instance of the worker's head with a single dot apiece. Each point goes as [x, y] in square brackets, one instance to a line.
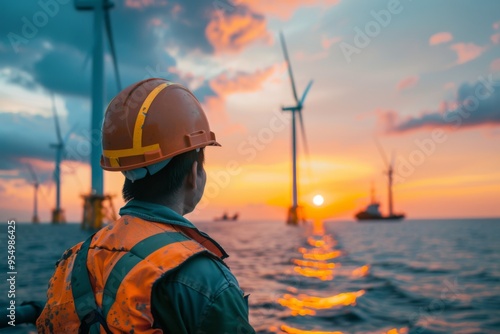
[154, 132]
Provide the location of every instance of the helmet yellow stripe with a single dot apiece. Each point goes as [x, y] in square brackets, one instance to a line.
[128, 152]
[141, 116]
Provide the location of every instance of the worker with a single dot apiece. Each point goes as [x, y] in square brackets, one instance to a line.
[152, 270]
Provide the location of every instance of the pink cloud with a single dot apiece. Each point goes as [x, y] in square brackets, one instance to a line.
[386, 119]
[284, 9]
[496, 25]
[327, 42]
[177, 9]
[495, 65]
[495, 38]
[467, 51]
[229, 83]
[450, 114]
[449, 85]
[440, 37]
[231, 32]
[155, 22]
[407, 83]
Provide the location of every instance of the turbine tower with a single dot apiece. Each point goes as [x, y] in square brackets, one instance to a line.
[93, 202]
[57, 213]
[295, 214]
[389, 172]
[35, 219]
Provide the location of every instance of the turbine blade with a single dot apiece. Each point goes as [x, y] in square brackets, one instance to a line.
[381, 152]
[305, 93]
[109, 33]
[56, 120]
[32, 172]
[289, 65]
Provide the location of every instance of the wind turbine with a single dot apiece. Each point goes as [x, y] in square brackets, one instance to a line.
[58, 213]
[93, 207]
[35, 219]
[294, 213]
[389, 172]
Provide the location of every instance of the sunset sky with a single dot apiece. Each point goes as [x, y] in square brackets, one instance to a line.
[422, 77]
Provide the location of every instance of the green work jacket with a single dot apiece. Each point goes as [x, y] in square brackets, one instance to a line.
[202, 296]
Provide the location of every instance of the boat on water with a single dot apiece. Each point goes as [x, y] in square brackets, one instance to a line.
[226, 217]
[372, 214]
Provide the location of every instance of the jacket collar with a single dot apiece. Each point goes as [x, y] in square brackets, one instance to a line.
[161, 214]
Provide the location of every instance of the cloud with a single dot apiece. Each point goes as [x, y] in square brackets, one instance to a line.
[440, 37]
[241, 82]
[230, 32]
[496, 25]
[28, 136]
[139, 4]
[24, 135]
[495, 65]
[326, 42]
[62, 71]
[407, 83]
[449, 86]
[467, 51]
[18, 77]
[284, 9]
[477, 104]
[495, 39]
[214, 92]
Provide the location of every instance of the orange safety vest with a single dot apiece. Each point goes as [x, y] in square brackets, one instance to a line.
[111, 292]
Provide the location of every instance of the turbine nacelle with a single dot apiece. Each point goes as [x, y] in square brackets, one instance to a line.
[296, 108]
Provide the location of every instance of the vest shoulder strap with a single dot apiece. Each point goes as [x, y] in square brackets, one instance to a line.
[90, 315]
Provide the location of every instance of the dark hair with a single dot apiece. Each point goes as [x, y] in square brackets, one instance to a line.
[163, 185]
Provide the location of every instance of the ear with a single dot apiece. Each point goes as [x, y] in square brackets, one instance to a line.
[192, 176]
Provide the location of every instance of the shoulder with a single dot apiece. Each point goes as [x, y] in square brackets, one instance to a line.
[204, 274]
[201, 289]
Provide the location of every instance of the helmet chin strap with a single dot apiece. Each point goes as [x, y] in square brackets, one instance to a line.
[140, 173]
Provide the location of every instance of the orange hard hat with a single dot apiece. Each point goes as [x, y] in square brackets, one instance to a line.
[151, 121]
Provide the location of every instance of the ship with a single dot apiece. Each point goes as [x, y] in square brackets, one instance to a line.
[372, 212]
[226, 217]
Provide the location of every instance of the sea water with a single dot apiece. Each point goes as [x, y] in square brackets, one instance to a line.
[417, 276]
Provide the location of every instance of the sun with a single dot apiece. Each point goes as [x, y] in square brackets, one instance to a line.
[318, 200]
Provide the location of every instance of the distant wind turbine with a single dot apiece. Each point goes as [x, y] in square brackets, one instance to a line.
[294, 213]
[35, 219]
[58, 213]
